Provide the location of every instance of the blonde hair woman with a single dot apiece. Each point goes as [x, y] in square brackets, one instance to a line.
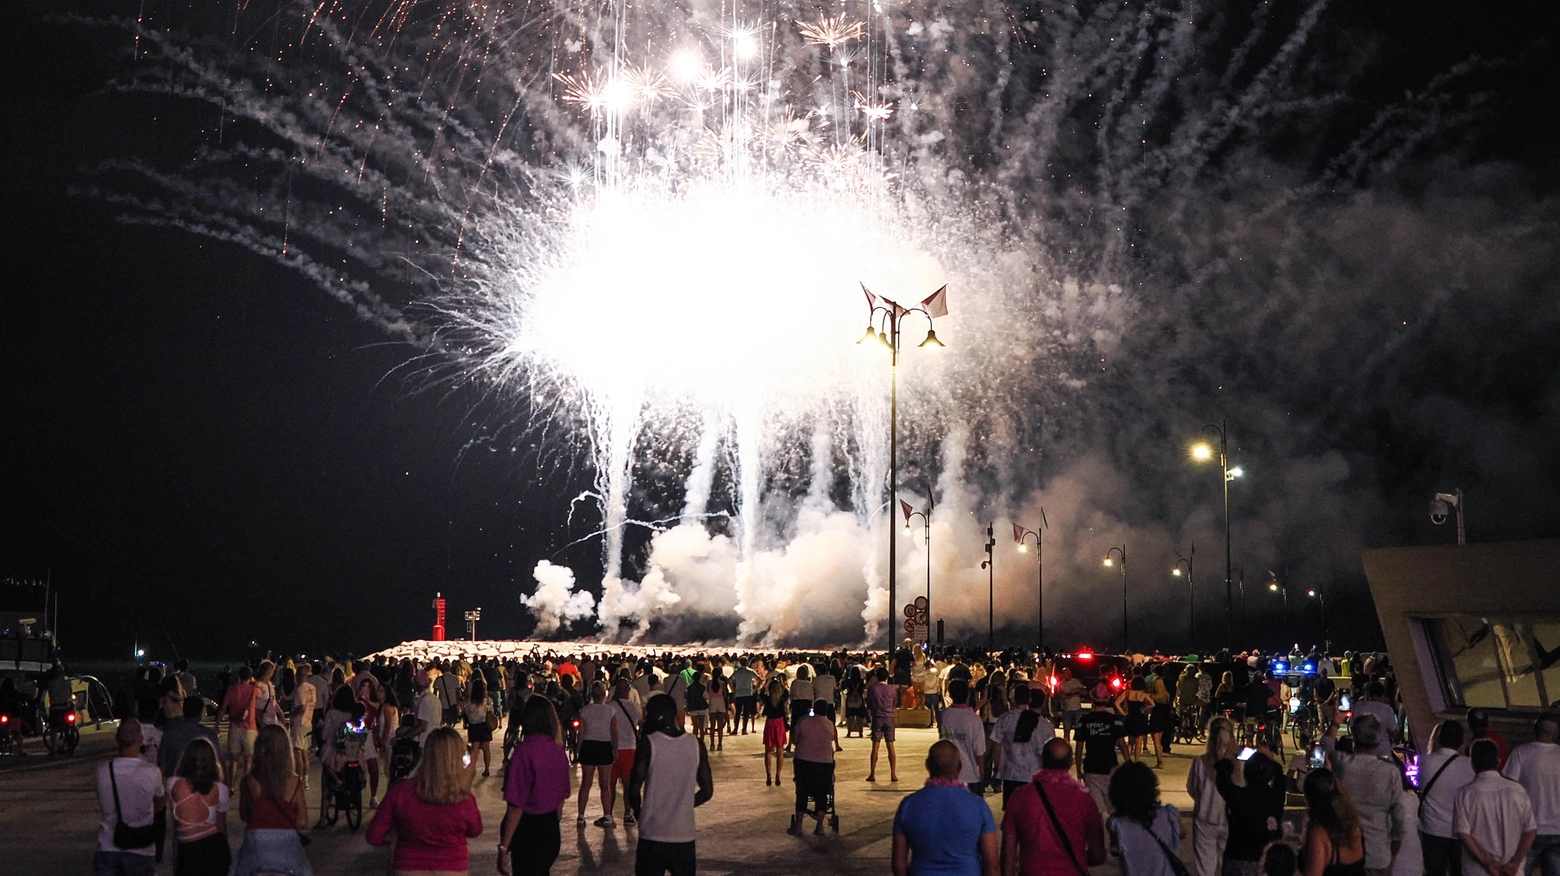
[274, 809]
[433, 813]
[1210, 830]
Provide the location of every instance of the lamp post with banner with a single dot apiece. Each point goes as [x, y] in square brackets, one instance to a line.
[884, 320]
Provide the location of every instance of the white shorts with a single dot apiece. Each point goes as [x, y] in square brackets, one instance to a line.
[241, 742]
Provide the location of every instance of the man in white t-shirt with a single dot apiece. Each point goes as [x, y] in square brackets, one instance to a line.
[1442, 773]
[426, 708]
[1018, 736]
[1373, 704]
[627, 742]
[137, 787]
[960, 725]
[1536, 767]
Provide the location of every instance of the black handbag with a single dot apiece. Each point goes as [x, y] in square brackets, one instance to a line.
[125, 836]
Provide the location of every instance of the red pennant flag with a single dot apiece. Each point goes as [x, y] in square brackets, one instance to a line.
[871, 299]
[1018, 533]
[936, 304]
[894, 308]
[905, 507]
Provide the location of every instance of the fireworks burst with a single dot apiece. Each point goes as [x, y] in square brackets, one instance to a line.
[653, 225]
[832, 32]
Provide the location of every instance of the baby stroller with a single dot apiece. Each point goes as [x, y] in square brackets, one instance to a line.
[404, 752]
[817, 784]
[343, 775]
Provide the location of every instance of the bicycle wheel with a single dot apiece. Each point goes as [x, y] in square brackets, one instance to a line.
[355, 811]
[332, 810]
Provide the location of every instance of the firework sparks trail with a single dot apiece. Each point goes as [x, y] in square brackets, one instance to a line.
[651, 220]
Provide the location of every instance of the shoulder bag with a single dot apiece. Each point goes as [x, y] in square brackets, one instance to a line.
[125, 836]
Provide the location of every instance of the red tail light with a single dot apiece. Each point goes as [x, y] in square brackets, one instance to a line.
[576, 722]
[5, 719]
[70, 717]
[1085, 656]
[1115, 682]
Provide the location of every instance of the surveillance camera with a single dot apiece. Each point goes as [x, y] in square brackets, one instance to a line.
[1438, 511]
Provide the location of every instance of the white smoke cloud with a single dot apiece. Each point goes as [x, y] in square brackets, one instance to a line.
[555, 601]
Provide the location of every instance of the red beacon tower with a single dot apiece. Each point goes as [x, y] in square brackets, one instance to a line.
[438, 617]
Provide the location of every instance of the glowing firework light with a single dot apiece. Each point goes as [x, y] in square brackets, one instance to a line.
[707, 268]
[650, 220]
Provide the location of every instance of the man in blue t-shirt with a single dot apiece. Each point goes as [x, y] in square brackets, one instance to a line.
[943, 829]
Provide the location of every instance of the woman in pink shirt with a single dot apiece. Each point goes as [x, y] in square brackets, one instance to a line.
[432, 813]
[535, 788]
[813, 766]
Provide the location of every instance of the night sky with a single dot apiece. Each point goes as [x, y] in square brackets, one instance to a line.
[200, 447]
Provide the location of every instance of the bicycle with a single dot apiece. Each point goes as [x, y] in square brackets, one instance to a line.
[1189, 726]
[60, 733]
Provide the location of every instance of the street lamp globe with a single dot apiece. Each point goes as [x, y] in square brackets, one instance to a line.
[1202, 452]
[1109, 562]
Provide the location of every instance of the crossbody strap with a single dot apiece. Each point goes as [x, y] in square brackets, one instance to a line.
[1056, 824]
[630, 718]
[1425, 791]
[114, 783]
[1177, 866]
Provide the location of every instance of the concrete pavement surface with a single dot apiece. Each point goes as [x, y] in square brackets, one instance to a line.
[49, 816]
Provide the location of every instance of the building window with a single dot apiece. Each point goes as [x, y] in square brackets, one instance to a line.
[1495, 663]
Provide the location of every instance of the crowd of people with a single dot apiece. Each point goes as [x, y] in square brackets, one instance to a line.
[1076, 783]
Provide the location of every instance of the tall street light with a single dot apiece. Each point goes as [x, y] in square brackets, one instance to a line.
[926, 524]
[990, 565]
[1240, 587]
[1020, 534]
[1316, 594]
[884, 320]
[1109, 561]
[1191, 590]
[1202, 451]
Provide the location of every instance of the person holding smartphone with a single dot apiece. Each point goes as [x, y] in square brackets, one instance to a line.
[1253, 811]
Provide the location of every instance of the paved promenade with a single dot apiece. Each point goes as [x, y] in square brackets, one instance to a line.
[48, 818]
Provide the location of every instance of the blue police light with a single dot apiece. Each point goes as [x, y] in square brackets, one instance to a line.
[1280, 666]
[1308, 668]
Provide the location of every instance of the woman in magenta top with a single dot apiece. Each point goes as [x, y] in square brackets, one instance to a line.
[535, 789]
[432, 813]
